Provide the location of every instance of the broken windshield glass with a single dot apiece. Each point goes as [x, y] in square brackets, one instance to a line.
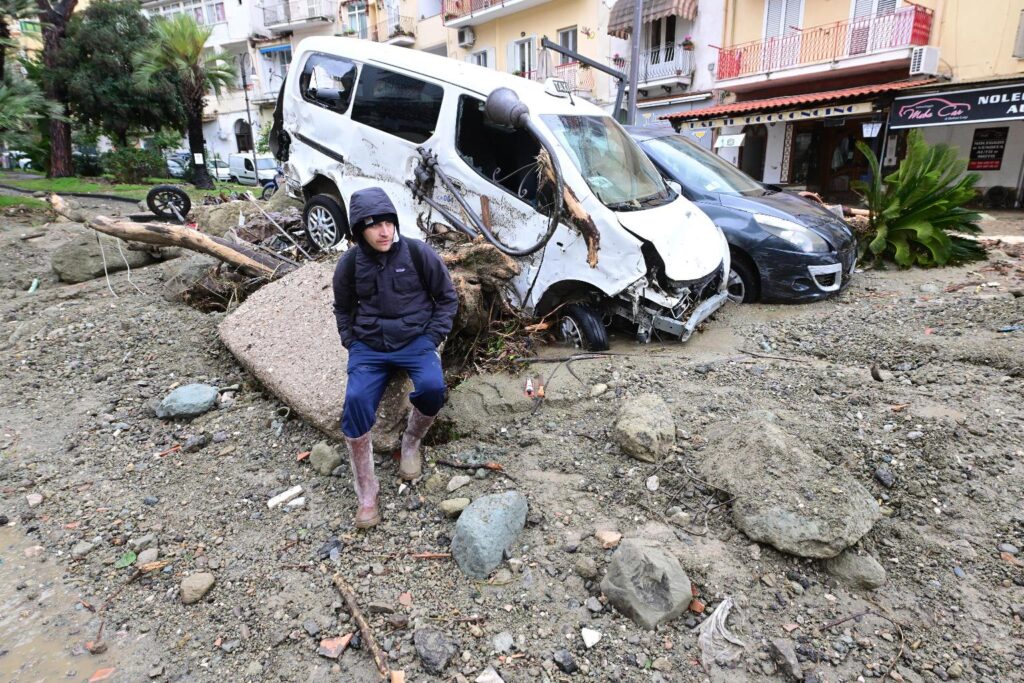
[615, 169]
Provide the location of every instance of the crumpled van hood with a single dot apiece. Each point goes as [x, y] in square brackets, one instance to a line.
[686, 239]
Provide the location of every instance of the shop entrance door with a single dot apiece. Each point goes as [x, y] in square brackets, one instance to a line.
[826, 159]
[752, 153]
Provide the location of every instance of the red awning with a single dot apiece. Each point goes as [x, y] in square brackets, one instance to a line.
[790, 101]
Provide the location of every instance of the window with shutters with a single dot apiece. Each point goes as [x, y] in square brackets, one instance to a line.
[782, 34]
[874, 26]
[1018, 47]
[568, 38]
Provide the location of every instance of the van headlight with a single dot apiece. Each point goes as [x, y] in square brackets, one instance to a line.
[802, 238]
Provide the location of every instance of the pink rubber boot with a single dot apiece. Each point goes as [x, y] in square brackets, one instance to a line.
[411, 465]
[361, 459]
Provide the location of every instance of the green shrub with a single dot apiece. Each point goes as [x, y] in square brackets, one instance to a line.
[916, 211]
[133, 166]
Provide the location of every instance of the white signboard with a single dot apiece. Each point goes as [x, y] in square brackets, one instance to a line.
[822, 112]
[730, 140]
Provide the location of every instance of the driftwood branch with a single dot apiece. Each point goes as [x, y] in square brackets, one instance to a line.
[249, 261]
[379, 658]
[578, 217]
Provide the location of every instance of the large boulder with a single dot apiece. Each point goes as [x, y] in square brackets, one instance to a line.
[785, 495]
[186, 272]
[482, 403]
[81, 259]
[646, 583]
[486, 530]
[644, 428]
[285, 334]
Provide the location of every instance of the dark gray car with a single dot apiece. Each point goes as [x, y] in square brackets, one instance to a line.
[785, 249]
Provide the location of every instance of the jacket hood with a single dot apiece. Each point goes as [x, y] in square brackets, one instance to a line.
[368, 206]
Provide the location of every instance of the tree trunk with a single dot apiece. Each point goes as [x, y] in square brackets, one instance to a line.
[197, 145]
[54, 18]
[5, 35]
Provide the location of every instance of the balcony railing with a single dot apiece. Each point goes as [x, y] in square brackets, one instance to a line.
[457, 9]
[907, 26]
[298, 12]
[666, 62]
[395, 28]
[578, 77]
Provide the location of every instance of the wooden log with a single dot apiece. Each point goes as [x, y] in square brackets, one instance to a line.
[369, 642]
[578, 217]
[247, 260]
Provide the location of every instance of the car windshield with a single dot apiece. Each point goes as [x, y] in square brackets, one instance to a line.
[218, 164]
[264, 164]
[615, 169]
[695, 167]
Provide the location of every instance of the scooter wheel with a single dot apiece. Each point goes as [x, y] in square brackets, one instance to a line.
[164, 200]
[268, 191]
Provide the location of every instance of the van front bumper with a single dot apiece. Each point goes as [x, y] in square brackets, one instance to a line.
[683, 329]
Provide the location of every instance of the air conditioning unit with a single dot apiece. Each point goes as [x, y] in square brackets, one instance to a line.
[466, 36]
[924, 61]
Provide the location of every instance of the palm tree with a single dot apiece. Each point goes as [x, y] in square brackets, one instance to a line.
[178, 48]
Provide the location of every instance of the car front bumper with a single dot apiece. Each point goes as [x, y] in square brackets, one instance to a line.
[795, 277]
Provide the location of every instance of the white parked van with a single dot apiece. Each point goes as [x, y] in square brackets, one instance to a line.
[240, 168]
[457, 145]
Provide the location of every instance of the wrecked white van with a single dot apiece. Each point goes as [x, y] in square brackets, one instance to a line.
[488, 153]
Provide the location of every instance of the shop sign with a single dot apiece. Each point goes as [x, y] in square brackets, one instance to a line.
[730, 141]
[784, 116]
[987, 149]
[1002, 103]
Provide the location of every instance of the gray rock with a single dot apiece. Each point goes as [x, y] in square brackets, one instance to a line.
[324, 458]
[80, 259]
[503, 642]
[565, 662]
[142, 542]
[594, 605]
[434, 648]
[187, 401]
[194, 587]
[186, 272]
[885, 477]
[486, 529]
[646, 583]
[458, 482]
[586, 567]
[782, 652]
[644, 428]
[146, 556]
[1008, 548]
[856, 571]
[81, 549]
[773, 476]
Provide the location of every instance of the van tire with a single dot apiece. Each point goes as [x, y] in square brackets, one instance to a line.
[581, 326]
[234, 179]
[324, 221]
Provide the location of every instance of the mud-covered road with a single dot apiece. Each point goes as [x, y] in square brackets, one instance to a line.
[88, 472]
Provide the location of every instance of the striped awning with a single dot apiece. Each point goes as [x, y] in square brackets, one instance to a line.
[620, 24]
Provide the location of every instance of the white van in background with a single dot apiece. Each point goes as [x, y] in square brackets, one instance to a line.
[240, 168]
[462, 147]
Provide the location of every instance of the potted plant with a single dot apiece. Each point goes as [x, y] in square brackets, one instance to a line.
[687, 43]
[618, 60]
[517, 72]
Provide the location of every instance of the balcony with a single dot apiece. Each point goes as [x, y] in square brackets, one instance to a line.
[399, 31]
[579, 77]
[459, 13]
[286, 16]
[855, 46]
[666, 66]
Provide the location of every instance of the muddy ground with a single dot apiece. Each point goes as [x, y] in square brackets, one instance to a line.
[83, 367]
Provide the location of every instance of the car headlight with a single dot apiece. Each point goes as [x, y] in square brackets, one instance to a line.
[802, 238]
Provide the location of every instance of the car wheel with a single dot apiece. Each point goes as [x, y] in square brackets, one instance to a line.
[325, 222]
[744, 286]
[581, 327]
[234, 179]
[164, 200]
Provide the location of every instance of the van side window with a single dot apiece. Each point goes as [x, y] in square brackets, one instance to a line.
[505, 156]
[327, 82]
[402, 106]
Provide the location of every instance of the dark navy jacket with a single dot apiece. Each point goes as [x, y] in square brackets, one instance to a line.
[390, 307]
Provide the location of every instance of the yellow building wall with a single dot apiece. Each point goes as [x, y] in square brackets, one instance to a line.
[744, 21]
[430, 32]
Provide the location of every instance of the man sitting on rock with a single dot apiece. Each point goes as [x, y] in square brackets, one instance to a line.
[394, 303]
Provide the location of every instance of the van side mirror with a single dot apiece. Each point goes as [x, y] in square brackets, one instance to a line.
[504, 108]
[330, 96]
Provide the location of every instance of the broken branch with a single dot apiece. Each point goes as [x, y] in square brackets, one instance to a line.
[364, 627]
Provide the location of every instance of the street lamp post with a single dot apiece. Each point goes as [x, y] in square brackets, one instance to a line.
[634, 64]
[242, 59]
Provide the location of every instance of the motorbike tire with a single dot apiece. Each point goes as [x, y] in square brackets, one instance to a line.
[161, 198]
[268, 191]
[581, 326]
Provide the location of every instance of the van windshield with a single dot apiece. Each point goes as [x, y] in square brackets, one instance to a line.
[265, 164]
[615, 169]
[695, 167]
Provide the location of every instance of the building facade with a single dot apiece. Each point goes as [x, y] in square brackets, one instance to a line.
[800, 82]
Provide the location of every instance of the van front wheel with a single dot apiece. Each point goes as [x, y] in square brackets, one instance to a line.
[325, 222]
[581, 326]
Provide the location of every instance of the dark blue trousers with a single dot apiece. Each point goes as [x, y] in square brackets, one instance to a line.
[368, 373]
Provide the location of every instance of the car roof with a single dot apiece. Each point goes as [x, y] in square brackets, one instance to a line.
[478, 79]
[644, 133]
